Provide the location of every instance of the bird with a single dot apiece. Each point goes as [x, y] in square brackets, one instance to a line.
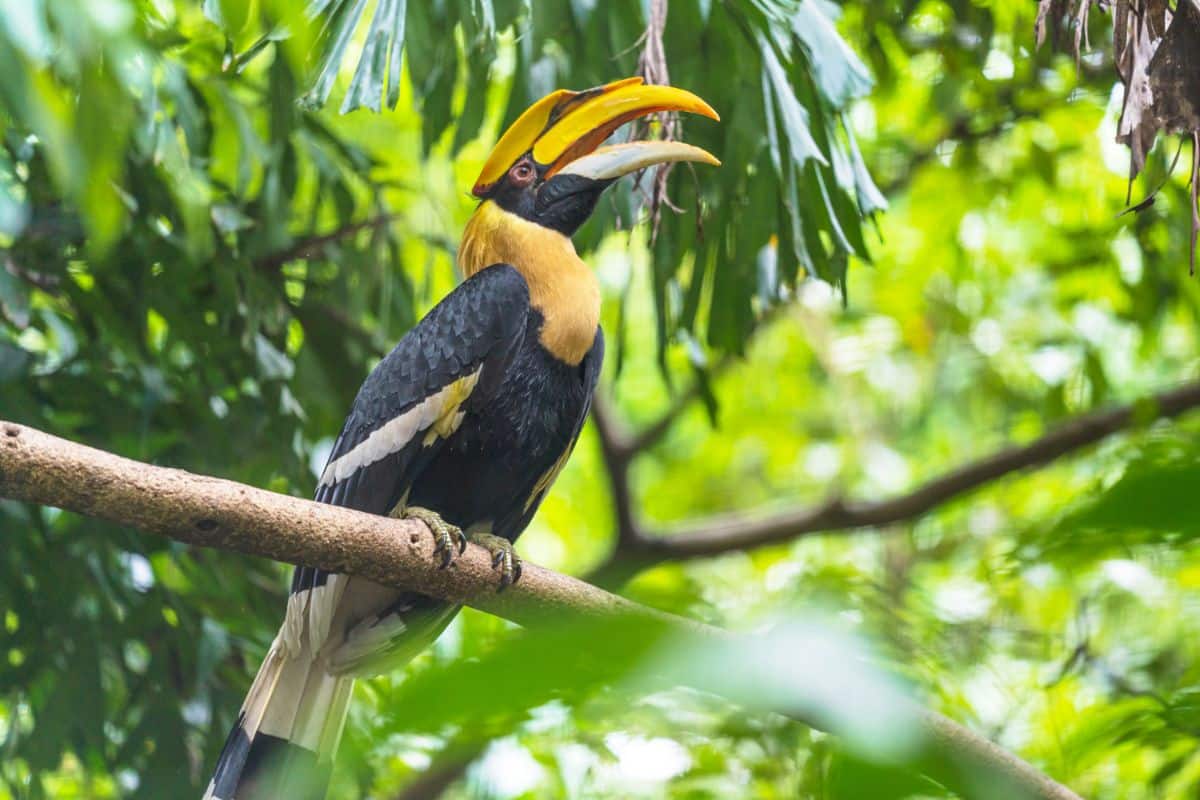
[464, 425]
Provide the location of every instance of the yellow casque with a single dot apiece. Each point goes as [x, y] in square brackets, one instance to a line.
[565, 125]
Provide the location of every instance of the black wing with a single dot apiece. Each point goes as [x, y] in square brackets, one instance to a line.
[419, 392]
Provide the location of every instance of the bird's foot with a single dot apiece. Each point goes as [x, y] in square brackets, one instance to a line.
[446, 537]
[504, 558]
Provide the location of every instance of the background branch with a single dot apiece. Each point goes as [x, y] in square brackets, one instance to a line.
[39, 468]
[617, 454]
[443, 773]
[310, 246]
[724, 534]
[653, 433]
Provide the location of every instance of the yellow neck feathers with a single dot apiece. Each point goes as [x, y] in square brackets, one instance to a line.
[561, 286]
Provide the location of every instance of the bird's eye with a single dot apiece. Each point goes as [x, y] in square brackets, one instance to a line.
[522, 173]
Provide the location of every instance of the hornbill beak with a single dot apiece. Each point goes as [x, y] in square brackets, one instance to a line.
[563, 132]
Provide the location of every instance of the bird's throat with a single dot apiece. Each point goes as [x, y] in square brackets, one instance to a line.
[561, 287]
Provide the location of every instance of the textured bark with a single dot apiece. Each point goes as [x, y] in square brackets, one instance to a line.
[211, 512]
[39, 468]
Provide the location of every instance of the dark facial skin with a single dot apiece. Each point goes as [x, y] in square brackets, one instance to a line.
[562, 203]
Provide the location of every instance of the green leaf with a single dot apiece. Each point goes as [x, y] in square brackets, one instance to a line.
[870, 199]
[14, 211]
[792, 123]
[14, 300]
[230, 219]
[840, 74]
[13, 362]
[384, 45]
[272, 364]
[231, 15]
[1151, 497]
[1184, 709]
[1150, 502]
[341, 18]
[469, 121]
[852, 777]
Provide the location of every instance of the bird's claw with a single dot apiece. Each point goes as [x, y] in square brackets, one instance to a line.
[446, 537]
[504, 558]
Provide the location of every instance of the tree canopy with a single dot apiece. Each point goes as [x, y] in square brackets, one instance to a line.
[214, 218]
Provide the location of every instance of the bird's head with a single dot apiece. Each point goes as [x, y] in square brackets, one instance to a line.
[550, 168]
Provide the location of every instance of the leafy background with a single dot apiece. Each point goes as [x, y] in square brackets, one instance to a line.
[200, 258]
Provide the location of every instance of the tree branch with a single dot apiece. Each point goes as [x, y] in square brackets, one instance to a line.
[615, 449]
[653, 433]
[632, 444]
[312, 245]
[39, 468]
[443, 773]
[733, 532]
[619, 447]
[50, 284]
[369, 339]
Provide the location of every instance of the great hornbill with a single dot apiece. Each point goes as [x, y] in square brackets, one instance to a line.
[464, 425]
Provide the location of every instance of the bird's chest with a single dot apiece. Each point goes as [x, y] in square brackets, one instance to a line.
[533, 415]
[499, 463]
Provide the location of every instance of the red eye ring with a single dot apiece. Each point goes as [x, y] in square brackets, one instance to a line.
[522, 172]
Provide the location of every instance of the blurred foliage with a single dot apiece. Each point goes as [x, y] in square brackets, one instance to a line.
[197, 270]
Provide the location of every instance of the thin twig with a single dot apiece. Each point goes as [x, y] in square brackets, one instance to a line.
[50, 284]
[1152, 196]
